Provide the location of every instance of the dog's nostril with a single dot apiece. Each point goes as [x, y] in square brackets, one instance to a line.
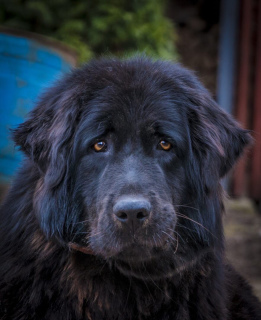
[132, 211]
[122, 215]
[141, 215]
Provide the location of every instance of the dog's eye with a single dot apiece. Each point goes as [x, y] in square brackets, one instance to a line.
[165, 145]
[100, 146]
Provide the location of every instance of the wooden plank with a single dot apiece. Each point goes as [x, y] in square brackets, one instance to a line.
[243, 89]
[255, 180]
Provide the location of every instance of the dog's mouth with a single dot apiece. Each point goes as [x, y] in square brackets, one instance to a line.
[135, 260]
[131, 253]
[135, 253]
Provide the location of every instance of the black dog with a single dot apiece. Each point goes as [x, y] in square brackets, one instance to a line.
[116, 212]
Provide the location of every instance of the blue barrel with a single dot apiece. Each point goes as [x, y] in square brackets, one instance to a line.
[28, 64]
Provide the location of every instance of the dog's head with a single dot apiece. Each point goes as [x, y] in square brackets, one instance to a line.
[130, 154]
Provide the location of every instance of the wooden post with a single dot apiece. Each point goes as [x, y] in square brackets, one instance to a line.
[255, 181]
[243, 89]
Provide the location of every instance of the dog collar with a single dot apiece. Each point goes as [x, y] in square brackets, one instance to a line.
[77, 247]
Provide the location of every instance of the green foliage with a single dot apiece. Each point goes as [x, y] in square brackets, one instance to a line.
[95, 27]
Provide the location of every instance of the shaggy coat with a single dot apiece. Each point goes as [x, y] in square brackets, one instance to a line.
[116, 211]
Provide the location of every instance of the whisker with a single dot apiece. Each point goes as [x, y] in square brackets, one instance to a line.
[154, 240]
[96, 234]
[182, 226]
[93, 235]
[81, 222]
[185, 206]
[180, 236]
[185, 217]
[169, 235]
[176, 249]
[192, 232]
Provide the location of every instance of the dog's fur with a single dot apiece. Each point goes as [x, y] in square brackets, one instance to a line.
[63, 252]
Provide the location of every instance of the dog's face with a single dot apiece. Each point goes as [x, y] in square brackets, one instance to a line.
[129, 156]
[130, 171]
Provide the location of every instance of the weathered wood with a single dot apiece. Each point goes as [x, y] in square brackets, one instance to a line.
[255, 180]
[243, 88]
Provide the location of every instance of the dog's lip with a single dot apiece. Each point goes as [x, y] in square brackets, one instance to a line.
[76, 247]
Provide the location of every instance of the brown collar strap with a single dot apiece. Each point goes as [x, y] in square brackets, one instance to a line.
[77, 247]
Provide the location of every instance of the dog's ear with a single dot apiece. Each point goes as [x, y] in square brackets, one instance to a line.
[46, 138]
[217, 140]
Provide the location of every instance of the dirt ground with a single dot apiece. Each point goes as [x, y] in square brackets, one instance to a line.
[243, 240]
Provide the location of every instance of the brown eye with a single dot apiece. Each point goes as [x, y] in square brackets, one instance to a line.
[100, 146]
[165, 145]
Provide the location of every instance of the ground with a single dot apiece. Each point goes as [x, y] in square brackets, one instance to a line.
[242, 226]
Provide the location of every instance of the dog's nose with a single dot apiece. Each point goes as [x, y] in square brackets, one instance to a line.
[132, 211]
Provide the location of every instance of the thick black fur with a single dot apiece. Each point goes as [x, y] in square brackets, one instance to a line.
[172, 267]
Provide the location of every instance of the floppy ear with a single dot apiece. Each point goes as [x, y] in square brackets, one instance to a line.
[46, 138]
[217, 140]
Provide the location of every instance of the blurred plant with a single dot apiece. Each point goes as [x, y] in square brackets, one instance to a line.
[96, 27]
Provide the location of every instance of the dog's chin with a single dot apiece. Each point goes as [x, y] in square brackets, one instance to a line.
[136, 253]
[142, 262]
[146, 266]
